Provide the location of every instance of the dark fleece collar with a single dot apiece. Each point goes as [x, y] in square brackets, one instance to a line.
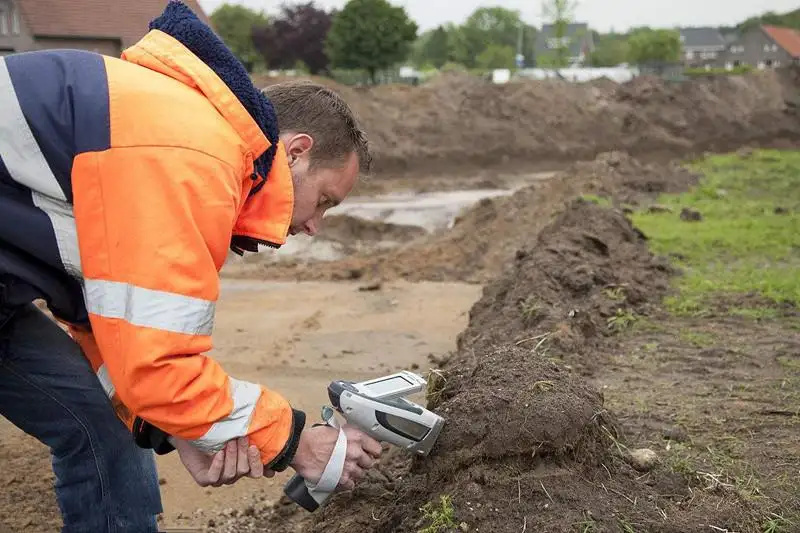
[182, 24]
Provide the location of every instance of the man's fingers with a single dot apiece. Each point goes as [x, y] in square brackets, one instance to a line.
[254, 459]
[345, 483]
[231, 458]
[355, 472]
[215, 470]
[365, 460]
[371, 446]
[243, 457]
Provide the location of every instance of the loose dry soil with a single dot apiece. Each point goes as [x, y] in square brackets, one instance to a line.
[459, 122]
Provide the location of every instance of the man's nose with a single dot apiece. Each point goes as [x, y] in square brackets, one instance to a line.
[311, 228]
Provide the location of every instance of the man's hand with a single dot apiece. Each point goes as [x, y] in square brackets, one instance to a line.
[225, 467]
[316, 446]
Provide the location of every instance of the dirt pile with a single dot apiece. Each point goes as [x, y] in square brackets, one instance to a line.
[348, 230]
[528, 445]
[486, 236]
[458, 121]
[580, 280]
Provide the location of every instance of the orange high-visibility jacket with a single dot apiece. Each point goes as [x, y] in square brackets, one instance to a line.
[123, 184]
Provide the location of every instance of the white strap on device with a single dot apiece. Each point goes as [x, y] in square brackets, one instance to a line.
[333, 470]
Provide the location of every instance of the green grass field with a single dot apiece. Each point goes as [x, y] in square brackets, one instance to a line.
[748, 241]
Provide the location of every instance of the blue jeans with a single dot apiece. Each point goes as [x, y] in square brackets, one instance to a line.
[104, 482]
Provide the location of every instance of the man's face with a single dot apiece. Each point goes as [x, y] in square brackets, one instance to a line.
[317, 190]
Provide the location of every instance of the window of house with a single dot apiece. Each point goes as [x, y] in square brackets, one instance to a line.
[9, 23]
[776, 63]
[689, 54]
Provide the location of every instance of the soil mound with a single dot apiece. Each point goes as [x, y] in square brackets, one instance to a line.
[528, 445]
[588, 274]
[457, 121]
[486, 236]
[346, 229]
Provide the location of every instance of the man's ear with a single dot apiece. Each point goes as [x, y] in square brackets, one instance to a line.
[298, 145]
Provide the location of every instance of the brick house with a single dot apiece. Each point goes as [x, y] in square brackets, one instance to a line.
[104, 26]
[763, 47]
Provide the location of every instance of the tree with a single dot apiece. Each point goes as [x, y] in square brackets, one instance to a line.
[496, 56]
[488, 26]
[435, 48]
[559, 14]
[370, 35]
[654, 46]
[234, 24]
[296, 35]
[789, 20]
[611, 49]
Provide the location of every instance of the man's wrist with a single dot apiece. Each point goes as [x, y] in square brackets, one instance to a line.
[150, 437]
[285, 458]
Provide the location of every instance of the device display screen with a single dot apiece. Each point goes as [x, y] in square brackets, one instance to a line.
[388, 386]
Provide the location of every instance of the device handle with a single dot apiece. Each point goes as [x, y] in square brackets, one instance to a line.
[311, 496]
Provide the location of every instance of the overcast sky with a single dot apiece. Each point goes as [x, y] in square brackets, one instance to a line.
[602, 15]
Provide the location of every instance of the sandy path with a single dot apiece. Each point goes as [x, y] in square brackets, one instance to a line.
[295, 338]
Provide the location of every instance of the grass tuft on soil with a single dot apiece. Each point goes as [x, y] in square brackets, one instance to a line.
[742, 256]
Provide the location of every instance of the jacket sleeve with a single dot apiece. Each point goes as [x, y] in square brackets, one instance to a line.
[154, 225]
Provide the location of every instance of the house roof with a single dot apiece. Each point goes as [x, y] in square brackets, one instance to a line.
[126, 20]
[702, 38]
[786, 38]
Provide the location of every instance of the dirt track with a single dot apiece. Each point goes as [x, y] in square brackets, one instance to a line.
[295, 338]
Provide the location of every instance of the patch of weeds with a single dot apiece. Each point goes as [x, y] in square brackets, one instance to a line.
[615, 294]
[587, 526]
[789, 362]
[530, 308]
[747, 241]
[622, 320]
[626, 526]
[757, 313]
[436, 384]
[778, 524]
[651, 347]
[679, 460]
[441, 517]
[647, 325]
[697, 338]
[595, 199]
[544, 386]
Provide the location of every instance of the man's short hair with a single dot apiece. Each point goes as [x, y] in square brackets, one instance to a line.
[316, 110]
